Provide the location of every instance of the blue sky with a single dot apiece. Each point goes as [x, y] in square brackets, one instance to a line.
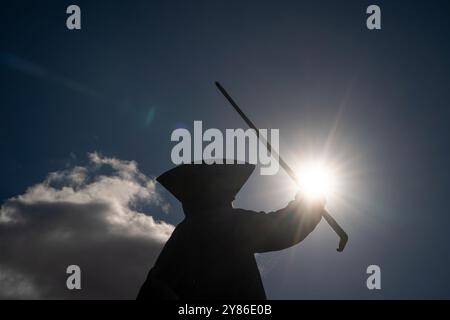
[376, 101]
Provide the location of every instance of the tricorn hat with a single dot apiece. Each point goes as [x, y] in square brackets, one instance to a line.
[205, 182]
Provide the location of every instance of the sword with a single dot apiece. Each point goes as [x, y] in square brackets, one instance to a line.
[328, 218]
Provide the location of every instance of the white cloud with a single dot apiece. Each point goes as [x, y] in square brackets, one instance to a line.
[81, 216]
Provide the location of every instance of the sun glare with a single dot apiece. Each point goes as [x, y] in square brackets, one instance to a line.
[316, 180]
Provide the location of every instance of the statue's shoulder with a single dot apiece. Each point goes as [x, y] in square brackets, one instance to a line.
[246, 212]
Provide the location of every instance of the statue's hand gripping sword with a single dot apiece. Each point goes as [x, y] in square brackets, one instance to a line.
[334, 225]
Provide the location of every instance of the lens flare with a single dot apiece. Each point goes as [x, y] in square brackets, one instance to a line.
[316, 180]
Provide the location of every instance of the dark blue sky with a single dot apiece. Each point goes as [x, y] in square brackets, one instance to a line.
[139, 69]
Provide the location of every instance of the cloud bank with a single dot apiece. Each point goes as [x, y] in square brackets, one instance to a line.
[87, 216]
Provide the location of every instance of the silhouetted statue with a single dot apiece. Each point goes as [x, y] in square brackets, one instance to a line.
[210, 254]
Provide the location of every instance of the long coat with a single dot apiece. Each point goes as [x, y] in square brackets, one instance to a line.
[211, 256]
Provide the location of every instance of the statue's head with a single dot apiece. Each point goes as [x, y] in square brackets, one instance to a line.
[204, 187]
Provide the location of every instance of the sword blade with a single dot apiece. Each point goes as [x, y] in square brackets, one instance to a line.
[327, 216]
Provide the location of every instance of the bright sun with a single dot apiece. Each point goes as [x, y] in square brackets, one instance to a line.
[316, 180]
